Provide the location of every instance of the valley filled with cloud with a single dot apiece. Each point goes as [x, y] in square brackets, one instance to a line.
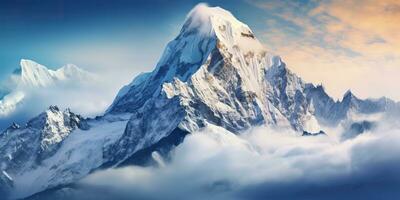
[261, 163]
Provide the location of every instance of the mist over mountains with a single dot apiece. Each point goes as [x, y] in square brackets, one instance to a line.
[33, 87]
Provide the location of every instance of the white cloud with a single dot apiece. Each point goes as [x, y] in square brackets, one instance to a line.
[279, 164]
[87, 98]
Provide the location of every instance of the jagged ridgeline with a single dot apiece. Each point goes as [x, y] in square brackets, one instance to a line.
[31, 77]
[214, 72]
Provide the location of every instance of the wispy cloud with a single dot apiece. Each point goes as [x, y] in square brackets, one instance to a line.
[342, 44]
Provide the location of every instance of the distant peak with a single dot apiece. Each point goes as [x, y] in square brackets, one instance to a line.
[70, 66]
[27, 61]
[31, 73]
[348, 94]
[28, 65]
[70, 69]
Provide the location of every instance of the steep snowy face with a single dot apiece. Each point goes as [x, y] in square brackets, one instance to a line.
[287, 93]
[214, 72]
[34, 74]
[55, 148]
[206, 29]
[368, 106]
[55, 126]
[217, 72]
[331, 113]
[24, 148]
[31, 76]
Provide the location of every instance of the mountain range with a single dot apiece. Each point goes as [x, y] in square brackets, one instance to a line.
[31, 79]
[214, 73]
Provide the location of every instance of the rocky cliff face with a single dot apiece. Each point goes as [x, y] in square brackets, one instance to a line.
[56, 147]
[215, 71]
[24, 148]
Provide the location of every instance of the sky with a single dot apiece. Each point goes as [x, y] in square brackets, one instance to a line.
[342, 44]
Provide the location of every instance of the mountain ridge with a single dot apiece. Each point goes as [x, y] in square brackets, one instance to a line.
[214, 73]
[31, 76]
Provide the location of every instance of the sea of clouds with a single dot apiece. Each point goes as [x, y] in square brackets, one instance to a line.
[262, 163]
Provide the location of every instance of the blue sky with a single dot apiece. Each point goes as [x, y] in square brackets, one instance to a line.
[57, 32]
[343, 44]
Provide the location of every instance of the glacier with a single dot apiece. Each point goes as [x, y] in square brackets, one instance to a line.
[215, 73]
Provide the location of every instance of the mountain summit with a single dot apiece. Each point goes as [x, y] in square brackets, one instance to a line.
[214, 73]
[31, 77]
[32, 74]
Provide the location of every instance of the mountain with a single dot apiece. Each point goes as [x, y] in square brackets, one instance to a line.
[39, 139]
[331, 113]
[214, 73]
[30, 79]
[54, 148]
[32, 74]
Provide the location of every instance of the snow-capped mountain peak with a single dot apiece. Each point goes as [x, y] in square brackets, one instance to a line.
[192, 47]
[210, 17]
[348, 94]
[71, 71]
[214, 73]
[39, 139]
[31, 76]
[55, 125]
[215, 21]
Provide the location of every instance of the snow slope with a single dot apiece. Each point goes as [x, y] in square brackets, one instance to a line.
[215, 71]
[32, 76]
[57, 147]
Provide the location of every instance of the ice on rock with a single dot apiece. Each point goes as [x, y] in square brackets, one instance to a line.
[217, 72]
[214, 72]
[56, 147]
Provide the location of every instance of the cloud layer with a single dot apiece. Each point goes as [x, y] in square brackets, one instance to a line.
[262, 163]
[84, 97]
